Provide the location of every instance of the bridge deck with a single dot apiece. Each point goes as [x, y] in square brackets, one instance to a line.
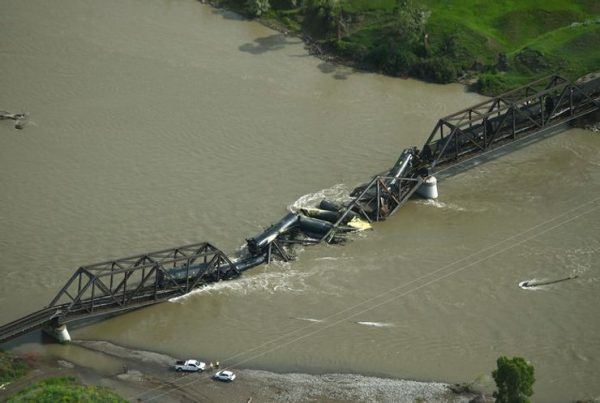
[29, 323]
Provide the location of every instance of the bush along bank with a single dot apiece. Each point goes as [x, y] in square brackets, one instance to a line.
[12, 367]
[498, 46]
[64, 389]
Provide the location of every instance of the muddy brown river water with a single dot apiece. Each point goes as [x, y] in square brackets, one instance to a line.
[159, 123]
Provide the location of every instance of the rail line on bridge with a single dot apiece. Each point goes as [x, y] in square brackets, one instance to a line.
[121, 285]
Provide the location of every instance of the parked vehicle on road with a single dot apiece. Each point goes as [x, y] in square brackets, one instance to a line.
[225, 376]
[190, 366]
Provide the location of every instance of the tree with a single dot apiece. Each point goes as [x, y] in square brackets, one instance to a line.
[410, 20]
[328, 12]
[514, 378]
[258, 7]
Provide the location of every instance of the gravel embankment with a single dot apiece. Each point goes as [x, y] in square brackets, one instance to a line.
[149, 373]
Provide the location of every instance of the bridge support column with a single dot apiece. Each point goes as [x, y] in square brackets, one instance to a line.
[428, 188]
[59, 332]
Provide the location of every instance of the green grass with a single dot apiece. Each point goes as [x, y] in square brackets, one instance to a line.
[568, 50]
[64, 389]
[580, 43]
[565, 33]
[571, 51]
[512, 22]
[361, 6]
[517, 27]
[11, 367]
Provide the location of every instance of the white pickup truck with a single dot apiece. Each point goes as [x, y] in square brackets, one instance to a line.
[190, 366]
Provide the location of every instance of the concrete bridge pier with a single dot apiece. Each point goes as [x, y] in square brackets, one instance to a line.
[59, 332]
[428, 188]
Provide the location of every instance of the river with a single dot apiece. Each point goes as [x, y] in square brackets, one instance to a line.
[159, 123]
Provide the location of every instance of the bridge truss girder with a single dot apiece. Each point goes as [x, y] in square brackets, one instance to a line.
[136, 281]
[541, 104]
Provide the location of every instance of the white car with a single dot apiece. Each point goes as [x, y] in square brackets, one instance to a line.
[190, 366]
[225, 376]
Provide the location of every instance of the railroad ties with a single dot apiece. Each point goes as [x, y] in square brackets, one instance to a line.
[122, 285]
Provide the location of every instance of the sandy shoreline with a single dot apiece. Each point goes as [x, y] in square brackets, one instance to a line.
[146, 376]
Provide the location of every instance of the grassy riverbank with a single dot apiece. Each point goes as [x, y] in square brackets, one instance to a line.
[64, 389]
[31, 380]
[11, 367]
[502, 44]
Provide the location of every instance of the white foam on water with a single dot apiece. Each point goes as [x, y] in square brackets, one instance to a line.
[579, 270]
[582, 259]
[271, 282]
[310, 320]
[440, 204]
[532, 288]
[375, 324]
[330, 258]
[338, 193]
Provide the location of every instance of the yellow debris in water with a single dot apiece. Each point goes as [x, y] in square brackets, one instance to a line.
[359, 224]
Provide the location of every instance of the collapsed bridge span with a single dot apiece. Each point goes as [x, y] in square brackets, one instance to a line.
[122, 285]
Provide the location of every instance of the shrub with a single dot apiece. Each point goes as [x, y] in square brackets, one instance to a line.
[491, 84]
[64, 389]
[257, 7]
[11, 367]
[351, 50]
[437, 69]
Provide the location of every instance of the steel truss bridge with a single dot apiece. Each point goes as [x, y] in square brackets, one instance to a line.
[537, 106]
[122, 285]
